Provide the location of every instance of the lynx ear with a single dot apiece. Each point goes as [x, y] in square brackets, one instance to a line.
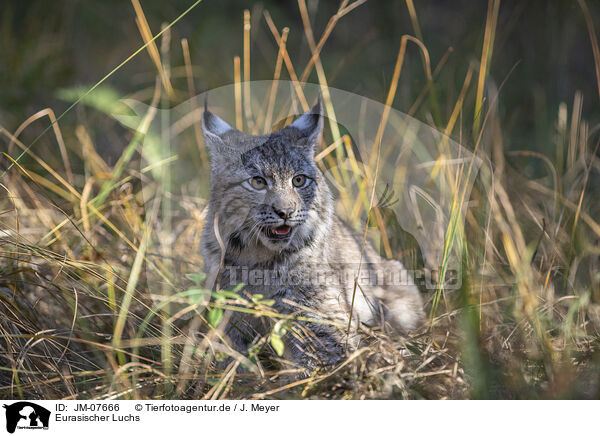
[310, 124]
[213, 128]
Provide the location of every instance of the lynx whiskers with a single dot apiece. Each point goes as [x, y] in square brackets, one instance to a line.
[276, 213]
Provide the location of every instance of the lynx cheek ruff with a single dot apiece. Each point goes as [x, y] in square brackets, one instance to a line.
[274, 212]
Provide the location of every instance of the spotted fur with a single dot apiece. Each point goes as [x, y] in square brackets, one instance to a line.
[318, 241]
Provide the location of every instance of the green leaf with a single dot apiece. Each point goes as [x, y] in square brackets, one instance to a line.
[215, 315]
[277, 344]
[280, 328]
[198, 296]
[222, 294]
[236, 288]
[197, 278]
[104, 98]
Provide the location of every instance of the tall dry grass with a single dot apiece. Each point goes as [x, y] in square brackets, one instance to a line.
[100, 286]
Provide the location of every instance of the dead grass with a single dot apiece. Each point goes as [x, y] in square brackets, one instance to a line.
[98, 297]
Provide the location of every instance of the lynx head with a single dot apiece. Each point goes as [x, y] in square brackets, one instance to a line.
[267, 190]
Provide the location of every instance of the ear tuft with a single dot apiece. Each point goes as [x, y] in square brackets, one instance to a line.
[213, 128]
[212, 124]
[310, 124]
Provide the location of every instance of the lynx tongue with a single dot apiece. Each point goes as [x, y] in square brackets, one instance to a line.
[281, 230]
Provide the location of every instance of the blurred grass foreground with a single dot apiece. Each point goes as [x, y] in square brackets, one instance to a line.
[101, 290]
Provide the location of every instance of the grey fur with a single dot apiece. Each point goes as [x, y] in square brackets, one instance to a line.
[318, 241]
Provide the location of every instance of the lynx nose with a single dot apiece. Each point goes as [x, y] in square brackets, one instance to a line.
[284, 213]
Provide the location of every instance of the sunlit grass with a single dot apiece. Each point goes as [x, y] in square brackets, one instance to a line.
[102, 297]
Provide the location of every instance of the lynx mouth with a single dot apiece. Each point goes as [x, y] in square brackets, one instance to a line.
[280, 232]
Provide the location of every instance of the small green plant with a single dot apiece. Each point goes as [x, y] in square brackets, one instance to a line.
[279, 330]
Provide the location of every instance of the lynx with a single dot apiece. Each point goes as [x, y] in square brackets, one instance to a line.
[272, 211]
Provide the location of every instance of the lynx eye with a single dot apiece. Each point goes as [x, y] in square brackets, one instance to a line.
[299, 181]
[258, 183]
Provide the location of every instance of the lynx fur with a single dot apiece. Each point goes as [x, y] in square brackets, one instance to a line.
[272, 210]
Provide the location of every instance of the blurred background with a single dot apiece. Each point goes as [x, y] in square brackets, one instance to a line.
[545, 46]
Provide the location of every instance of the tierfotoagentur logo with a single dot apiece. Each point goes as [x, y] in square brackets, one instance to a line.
[365, 274]
[25, 415]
